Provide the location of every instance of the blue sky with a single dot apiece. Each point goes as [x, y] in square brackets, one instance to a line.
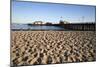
[28, 12]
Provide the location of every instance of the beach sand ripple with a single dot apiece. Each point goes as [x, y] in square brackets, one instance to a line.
[49, 47]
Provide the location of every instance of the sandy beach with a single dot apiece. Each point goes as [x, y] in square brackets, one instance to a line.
[50, 47]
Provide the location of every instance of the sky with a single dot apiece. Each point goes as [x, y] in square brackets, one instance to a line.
[28, 12]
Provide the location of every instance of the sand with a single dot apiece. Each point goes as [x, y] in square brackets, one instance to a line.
[50, 47]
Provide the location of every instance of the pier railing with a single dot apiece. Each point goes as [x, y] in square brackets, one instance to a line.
[80, 26]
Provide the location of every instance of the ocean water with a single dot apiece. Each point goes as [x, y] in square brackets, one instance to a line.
[25, 27]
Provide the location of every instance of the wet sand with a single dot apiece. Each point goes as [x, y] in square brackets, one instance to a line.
[50, 47]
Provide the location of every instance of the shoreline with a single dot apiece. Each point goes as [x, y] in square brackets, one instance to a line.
[46, 30]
